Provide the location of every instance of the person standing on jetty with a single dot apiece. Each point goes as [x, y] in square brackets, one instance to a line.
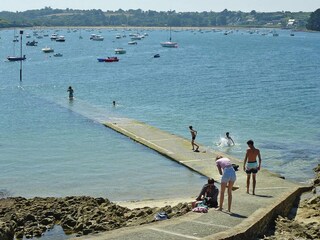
[250, 165]
[228, 178]
[229, 139]
[70, 90]
[193, 138]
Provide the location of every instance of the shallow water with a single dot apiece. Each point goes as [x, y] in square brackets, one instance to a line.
[256, 87]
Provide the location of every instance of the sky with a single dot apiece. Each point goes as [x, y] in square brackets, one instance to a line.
[166, 5]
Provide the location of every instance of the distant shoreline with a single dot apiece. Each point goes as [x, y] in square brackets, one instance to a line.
[155, 28]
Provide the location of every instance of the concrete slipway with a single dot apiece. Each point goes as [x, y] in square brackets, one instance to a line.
[251, 214]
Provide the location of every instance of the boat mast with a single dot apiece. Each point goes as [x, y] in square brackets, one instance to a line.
[21, 32]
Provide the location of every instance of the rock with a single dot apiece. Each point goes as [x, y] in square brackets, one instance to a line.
[46, 221]
[18, 234]
[6, 231]
[306, 224]
[79, 227]
[130, 215]
[100, 200]
[314, 200]
[68, 223]
[57, 215]
[317, 169]
[30, 218]
[37, 233]
[81, 215]
[316, 182]
[99, 228]
[28, 236]
[87, 231]
[140, 213]
[49, 214]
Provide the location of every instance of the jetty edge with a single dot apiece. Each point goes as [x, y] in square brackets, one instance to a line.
[251, 215]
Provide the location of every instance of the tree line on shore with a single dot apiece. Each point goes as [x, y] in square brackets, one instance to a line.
[47, 17]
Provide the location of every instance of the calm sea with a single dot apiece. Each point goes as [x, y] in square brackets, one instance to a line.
[255, 86]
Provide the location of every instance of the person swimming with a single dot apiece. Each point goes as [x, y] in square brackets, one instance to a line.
[70, 90]
[225, 141]
[229, 139]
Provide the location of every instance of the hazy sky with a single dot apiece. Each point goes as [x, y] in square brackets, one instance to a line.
[165, 5]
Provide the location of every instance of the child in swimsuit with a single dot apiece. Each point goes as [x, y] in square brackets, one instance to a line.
[193, 138]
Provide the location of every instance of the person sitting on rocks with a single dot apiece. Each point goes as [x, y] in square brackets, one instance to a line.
[209, 194]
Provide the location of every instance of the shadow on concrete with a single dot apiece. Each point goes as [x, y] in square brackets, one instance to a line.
[237, 215]
[264, 196]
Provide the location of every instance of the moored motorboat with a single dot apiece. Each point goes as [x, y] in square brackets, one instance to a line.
[275, 34]
[132, 43]
[58, 55]
[54, 36]
[47, 50]
[136, 38]
[169, 44]
[60, 39]
[32, 43]
[14, 59]
[96, 37]
[108, 59]
[120, 51]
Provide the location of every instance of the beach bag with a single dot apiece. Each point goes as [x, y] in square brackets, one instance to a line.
[235, 167]
[200, 209]
[161, 216]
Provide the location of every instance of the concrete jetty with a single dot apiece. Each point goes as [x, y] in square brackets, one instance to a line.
[250, 215]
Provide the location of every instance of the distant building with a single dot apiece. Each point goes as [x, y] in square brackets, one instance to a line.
[291, 23]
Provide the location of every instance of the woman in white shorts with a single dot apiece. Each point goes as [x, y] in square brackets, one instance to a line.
[228, 178]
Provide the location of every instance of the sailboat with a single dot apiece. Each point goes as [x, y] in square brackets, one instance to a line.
[13, 59]
[80, 36]
[16, 58]
[169, 44]
[15, 37]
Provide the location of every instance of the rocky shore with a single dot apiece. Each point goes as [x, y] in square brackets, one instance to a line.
[21, 217]
[305, 220]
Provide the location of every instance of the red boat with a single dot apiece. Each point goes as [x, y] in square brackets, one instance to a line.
[108, 59]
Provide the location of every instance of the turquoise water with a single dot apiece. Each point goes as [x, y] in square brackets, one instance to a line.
[256, 87]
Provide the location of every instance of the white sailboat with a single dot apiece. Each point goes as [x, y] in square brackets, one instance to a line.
[169, 44]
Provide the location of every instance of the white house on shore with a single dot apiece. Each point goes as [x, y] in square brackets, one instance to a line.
[291, 23]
